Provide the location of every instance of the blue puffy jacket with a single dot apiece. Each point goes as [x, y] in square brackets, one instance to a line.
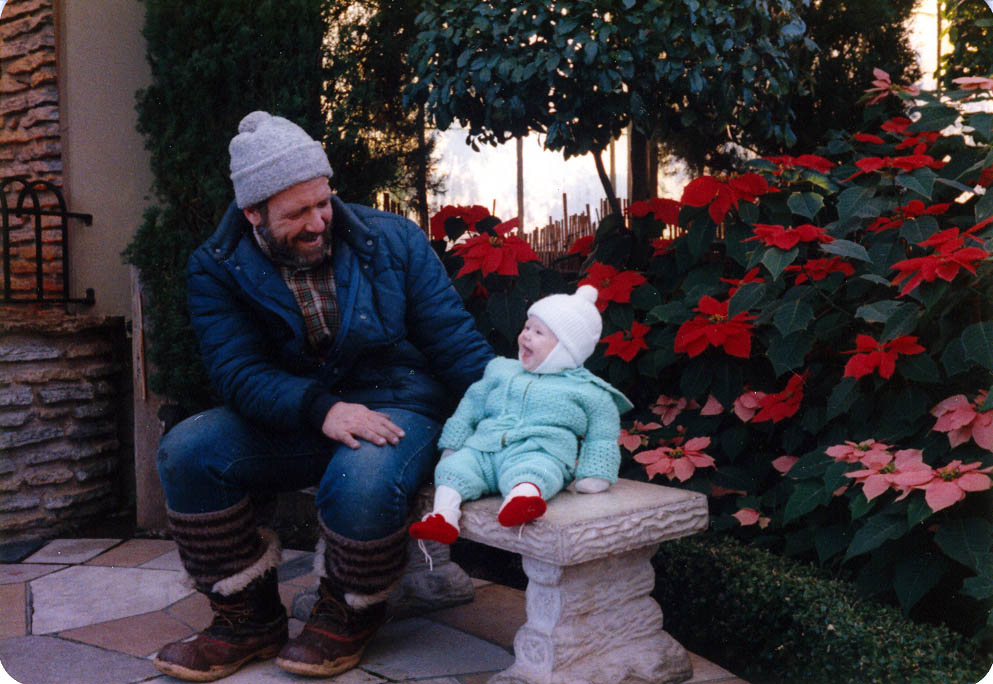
[405, 338]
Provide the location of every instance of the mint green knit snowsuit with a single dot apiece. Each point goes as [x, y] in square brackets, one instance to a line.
[513, 426]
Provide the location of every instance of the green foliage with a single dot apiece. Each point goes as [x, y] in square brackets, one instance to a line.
[810, 334]
[969, 29]
[211, 64]
[579, 72]
[771, 619]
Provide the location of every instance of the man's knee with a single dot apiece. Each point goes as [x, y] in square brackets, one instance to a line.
[181, 450]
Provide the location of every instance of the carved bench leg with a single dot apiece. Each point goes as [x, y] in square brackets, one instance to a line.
[594, 623]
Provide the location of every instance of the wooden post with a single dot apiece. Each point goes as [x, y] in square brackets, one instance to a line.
[520, 184]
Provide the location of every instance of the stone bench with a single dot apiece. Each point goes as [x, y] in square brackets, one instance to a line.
[590, 615]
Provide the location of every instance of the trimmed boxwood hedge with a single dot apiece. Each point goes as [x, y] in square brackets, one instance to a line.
[771, 619]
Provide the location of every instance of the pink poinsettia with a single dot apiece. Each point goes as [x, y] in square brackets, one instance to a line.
[974, 82]
[635, 438]
[748, 404]
[883, 86]
[947, 485]
[962, 420]
[668, 408]
[881, 473]
[750, 516]
[784, 463]
[854, 452]
[676, 462]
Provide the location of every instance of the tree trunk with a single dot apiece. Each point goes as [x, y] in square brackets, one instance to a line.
[520, 185]
[422, 171]
[639, 171]
[608, 187]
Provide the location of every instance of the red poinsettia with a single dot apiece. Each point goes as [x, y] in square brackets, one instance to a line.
[711, 327]
[782, 405]
[788, 238]
[911, 210]
[663, 209]
[869, 138]
[751, 277]
[898, 125]
[949, 257]
[611, 284]
[662, 246]
[723, 194]
[498, 253]
[871, 355]
[469, 215]
[807, 161]
[819, 269]
[911, 162]
[627, 343]
[582, 246]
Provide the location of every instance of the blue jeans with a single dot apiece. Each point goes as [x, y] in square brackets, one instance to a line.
[213, 460]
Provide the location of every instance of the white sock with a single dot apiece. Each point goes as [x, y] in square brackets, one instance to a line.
[522, 489]
[446, 504]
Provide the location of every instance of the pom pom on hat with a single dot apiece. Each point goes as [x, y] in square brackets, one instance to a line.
[270, 154]
[574, 319]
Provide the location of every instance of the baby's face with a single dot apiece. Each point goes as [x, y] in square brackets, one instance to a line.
[534, 343]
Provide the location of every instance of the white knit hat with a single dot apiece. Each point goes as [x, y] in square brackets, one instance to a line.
[574, 319]
[270, 154]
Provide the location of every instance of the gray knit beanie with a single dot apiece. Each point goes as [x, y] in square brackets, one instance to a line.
[574, 319]
[270, 154]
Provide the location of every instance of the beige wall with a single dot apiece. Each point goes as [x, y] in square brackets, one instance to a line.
[106, 168]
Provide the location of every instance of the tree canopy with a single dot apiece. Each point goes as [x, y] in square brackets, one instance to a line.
[969, 29]
[580, 72]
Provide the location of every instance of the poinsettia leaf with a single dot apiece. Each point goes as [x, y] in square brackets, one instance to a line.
[842, 396]
[954, 357]
[700, 236]
[984, 207]
[919, 181]
[788, 352]
[507, 312]
[674, 312]
[982, 124]
[915, 576]
[919, 368]
[644, 297]
[834, 478]
[847, 249]
[853, 202]
[977, 340]
[775, 260]
[878, 312]
[965, 540]
[727, 382]
[746, 297]
[830, 541]
[696, 378]
[902, 322]
[980, 586]
[988, 402]
[917, 509]
[732, 477]
[792, 316]
[859, 506]
[876, 530]
[805, 204]
[651, 363]
[806, 496]
[810, 465]
[734, 241]
[620, 316]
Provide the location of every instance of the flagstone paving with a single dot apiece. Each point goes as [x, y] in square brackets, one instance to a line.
[94, 611]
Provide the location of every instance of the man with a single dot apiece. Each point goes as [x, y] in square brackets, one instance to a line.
[339, 346]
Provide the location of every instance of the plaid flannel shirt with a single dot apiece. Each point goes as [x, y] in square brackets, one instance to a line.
[314, 290]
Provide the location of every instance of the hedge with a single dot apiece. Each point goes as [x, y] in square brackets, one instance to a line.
[770, 619]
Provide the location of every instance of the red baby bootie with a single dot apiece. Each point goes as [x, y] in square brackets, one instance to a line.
[434, 528]
[523, 504]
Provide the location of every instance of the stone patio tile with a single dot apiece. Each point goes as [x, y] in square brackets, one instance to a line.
[85, 595]
[286, 594]
[133, 553]
[167, 561]
[479, 583]
[15, 552]
[481, 678]
[138, 635]
[706, 672]
[25, 572]
[71, 550]
[295, 566]
[194, 610]
[418, 648]
[13, 609]
[50, 660]
[432, 680]
[308, 581]
[496, 614]
[266, 672]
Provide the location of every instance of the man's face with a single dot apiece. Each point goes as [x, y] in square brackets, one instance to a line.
[298, 228]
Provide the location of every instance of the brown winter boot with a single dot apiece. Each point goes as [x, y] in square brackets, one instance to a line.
[248, 624]
[334, 637]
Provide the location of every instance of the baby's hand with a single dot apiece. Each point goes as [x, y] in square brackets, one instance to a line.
[591, 485]
[445, 453]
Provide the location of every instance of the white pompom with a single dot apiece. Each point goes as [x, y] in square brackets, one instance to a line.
[253, 121]
[588, 292]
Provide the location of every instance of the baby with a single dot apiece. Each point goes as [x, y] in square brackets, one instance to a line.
[519, 429]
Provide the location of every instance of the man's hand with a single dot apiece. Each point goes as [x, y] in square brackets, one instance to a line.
[348, 423]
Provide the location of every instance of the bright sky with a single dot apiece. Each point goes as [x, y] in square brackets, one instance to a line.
[490, 175]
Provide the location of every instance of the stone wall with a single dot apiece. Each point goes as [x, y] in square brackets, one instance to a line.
[64, 422]
[30, 135]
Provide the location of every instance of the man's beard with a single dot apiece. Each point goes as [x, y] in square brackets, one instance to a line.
[284, 252]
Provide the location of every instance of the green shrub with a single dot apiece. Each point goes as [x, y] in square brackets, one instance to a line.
[772, 619]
